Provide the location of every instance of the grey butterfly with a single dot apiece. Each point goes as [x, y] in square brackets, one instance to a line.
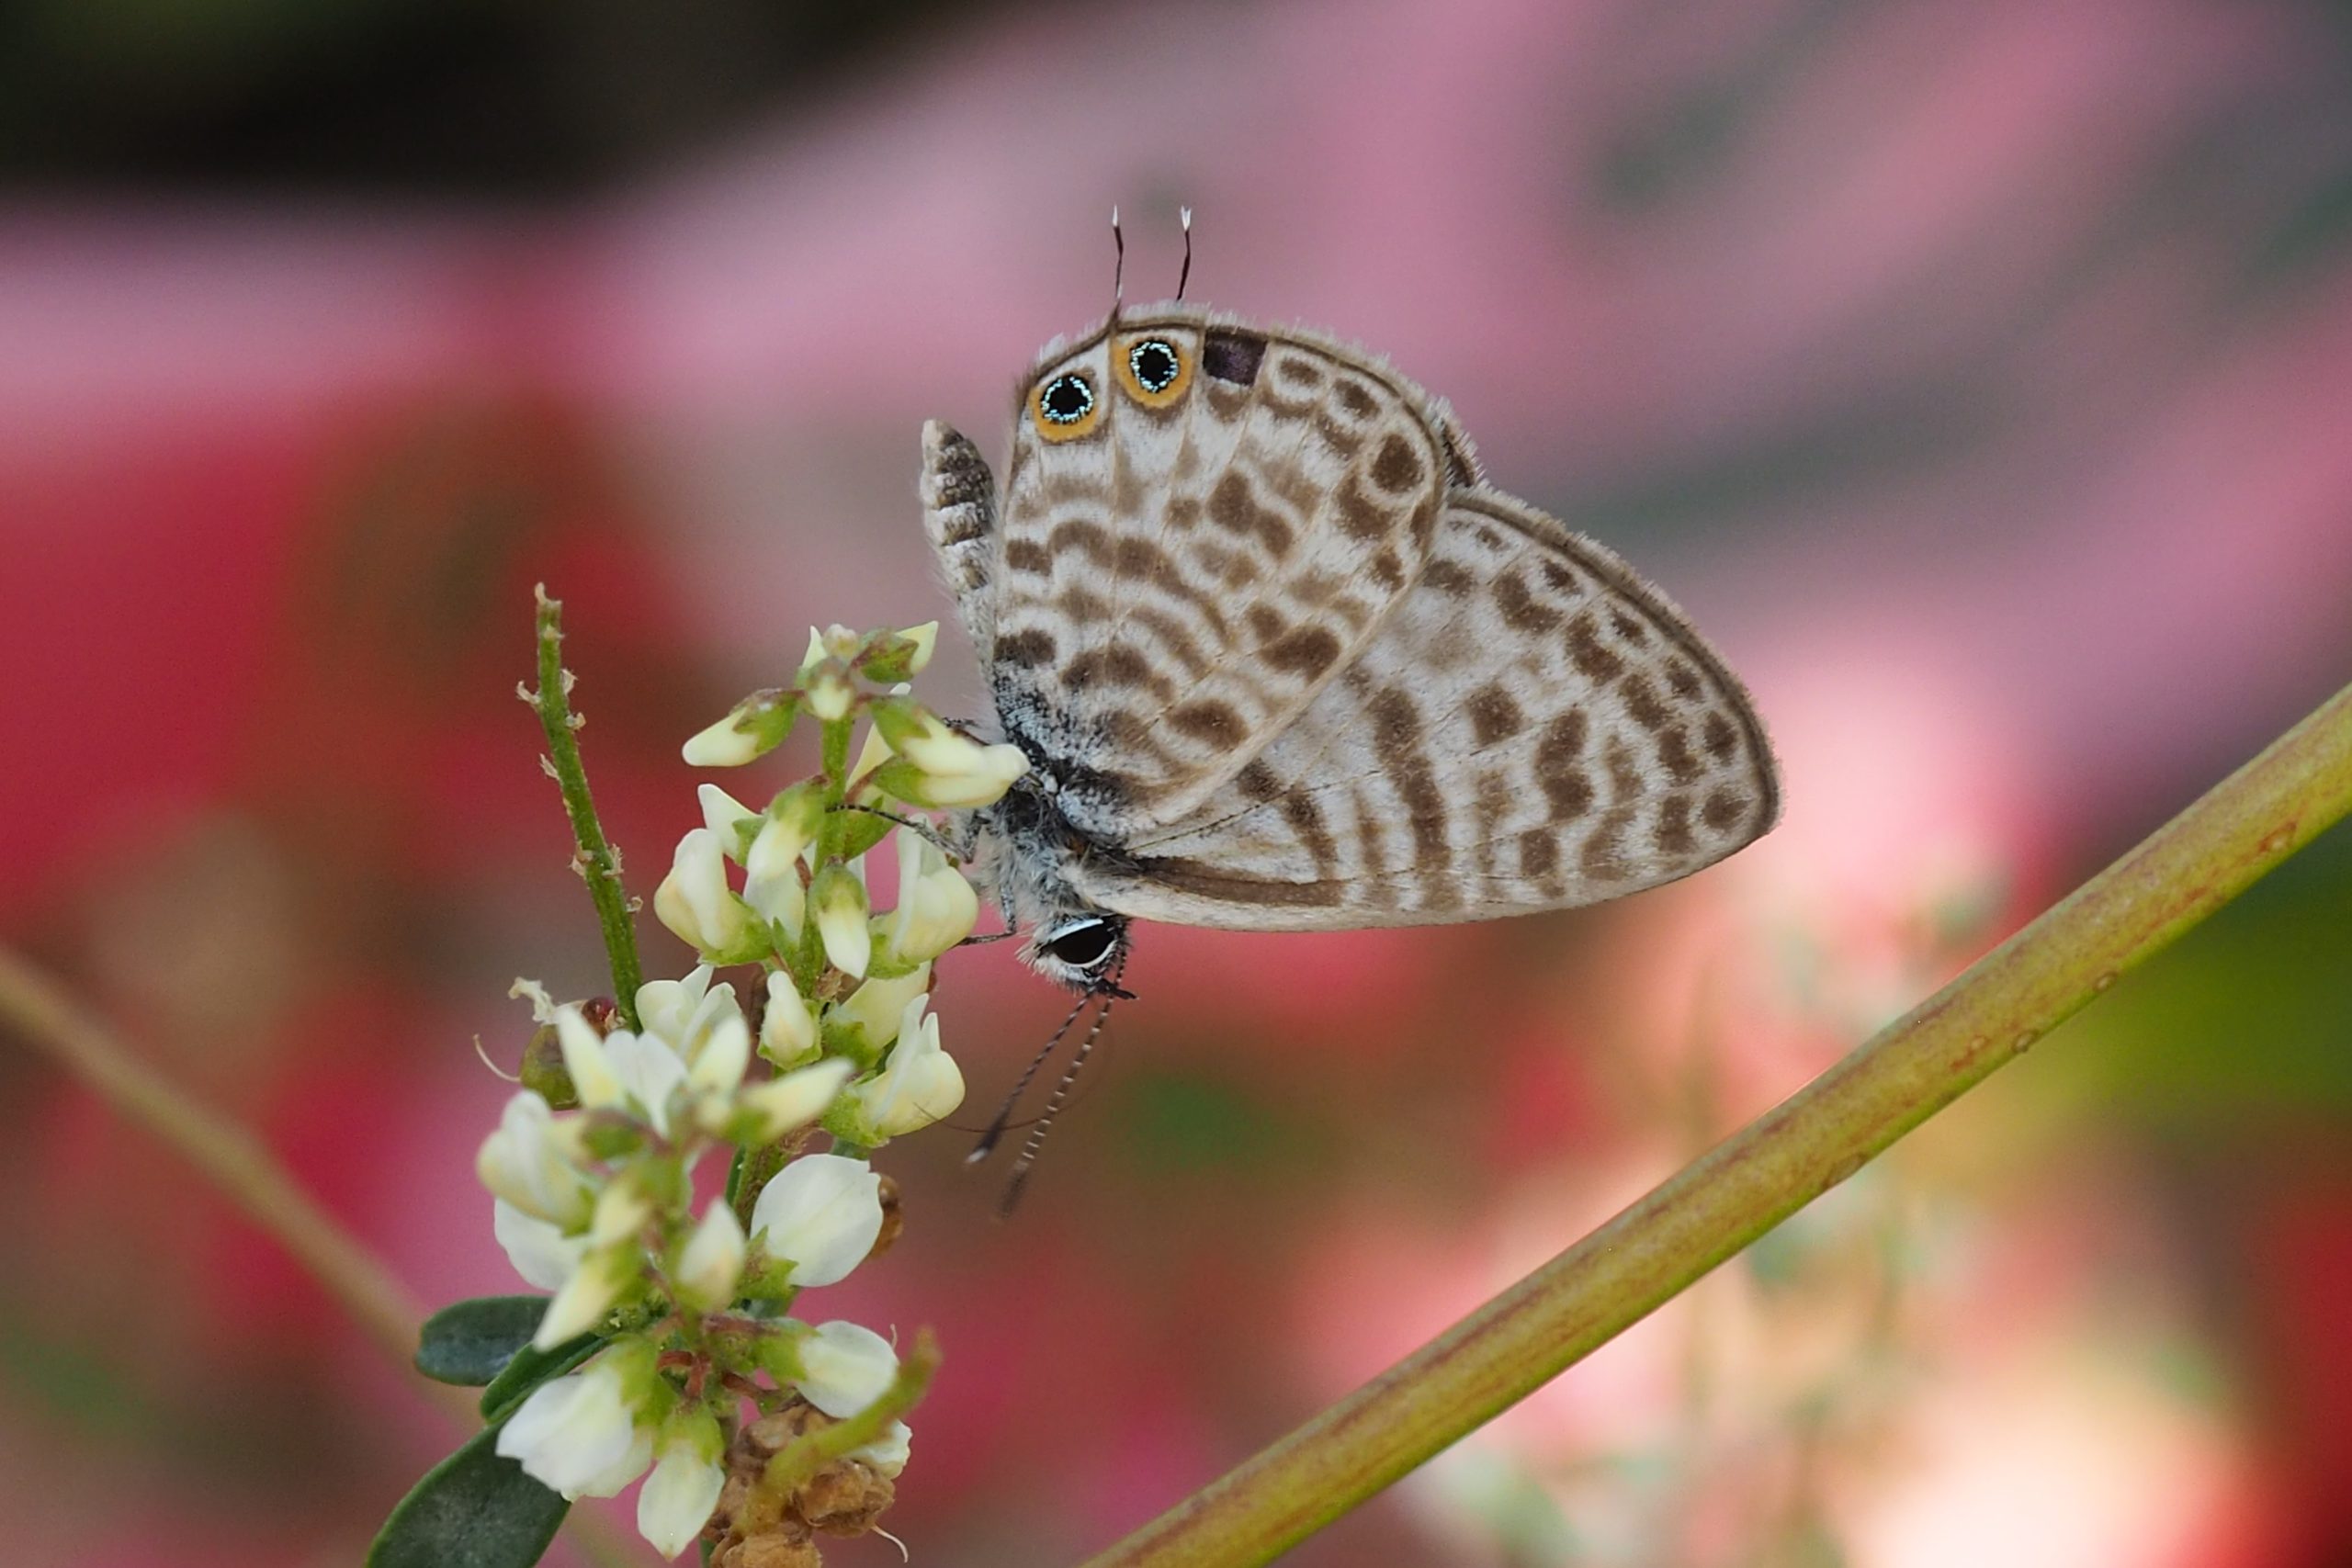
[1282, 659]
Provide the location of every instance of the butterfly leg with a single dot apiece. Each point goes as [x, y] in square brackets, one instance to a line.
[960, 514]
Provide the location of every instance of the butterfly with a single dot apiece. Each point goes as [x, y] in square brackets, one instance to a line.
[1282, 659]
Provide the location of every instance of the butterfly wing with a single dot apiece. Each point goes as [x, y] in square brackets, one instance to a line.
[1194, 542]
[1535, 727]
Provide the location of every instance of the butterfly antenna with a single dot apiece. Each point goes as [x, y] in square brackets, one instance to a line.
[1185, 275]
[1118, 263]
[989, 1139]
[1045, 1124]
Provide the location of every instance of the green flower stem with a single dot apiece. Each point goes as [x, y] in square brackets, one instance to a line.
[598, 866]
[811, 1452]
[1776, 1165]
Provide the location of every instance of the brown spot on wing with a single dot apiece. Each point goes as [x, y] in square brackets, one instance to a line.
[1720, 737]
[1521, 610]
[1025, 649]
[1115, 665]
[1396, 468]
[1305, 651]
[1493, 715]
[1593, 659]
[1641, 702]
[1219, 724]
[1233, 508]
[1029, 556]
[1559, 766]
[1723, 809]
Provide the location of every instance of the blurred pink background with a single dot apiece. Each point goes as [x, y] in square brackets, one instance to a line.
[1979, 378]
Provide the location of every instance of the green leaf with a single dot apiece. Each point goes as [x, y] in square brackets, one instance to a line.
[531, 1367]
[474, 1509]
[470, 1342]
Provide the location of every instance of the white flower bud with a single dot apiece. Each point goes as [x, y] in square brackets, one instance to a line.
[879, 1006]
[844, 1366]
[727, 744]
[937, 908]
[840, 900]
[997, 769]
[527, 1163]
[926, 640]
[586, 1061]
[829, 694]
[575, 1433]
[580, 1302]
[793, 1099]
[541, 1252]
[787, 1029]
[712, 1259]
[677, 1498]
[725, 816]
[821, 1215]
[694, 900]
[919, 1084]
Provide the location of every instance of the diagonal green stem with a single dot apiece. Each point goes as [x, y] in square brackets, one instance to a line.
[1792, 1154]
[598, 866]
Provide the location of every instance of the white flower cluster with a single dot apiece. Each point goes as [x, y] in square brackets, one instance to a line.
[595, 1204]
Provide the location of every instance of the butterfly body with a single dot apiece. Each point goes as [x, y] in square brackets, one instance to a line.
[1282, 659]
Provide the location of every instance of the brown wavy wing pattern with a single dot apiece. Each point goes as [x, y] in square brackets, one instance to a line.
[1535, 727]
[1176, 585]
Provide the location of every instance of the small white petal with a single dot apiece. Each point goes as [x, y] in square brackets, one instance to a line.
[724, 816]
[694, 900]
[648, 1072]
[787, 1029]
[573, 1432]
[888, 1453]
[712, 1260]
[667, 1007]
[821, 1215]
[678, 1497]
[722, 745]
[841, 920]
[724, 1055]
[586, 1061]
[879, 1006]
[584, 1299]
[615, 1477]
[926, 639]
[919, 1084]
[844, 1366]
[540, 1252]
[528, 1162]
[794, 1098]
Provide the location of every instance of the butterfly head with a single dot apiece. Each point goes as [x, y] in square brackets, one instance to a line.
[1084, 953]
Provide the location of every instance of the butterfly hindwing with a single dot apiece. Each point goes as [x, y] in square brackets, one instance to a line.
[1191, 548]
[1533, 727]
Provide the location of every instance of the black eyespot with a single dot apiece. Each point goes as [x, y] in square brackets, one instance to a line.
[1154, 363]
[1066, 400]
[1085, 946]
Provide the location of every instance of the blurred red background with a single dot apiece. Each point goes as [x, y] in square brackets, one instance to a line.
[1978, 377]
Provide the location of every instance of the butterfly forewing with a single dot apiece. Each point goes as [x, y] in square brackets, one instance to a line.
[1182, 570]
[1533, 727]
